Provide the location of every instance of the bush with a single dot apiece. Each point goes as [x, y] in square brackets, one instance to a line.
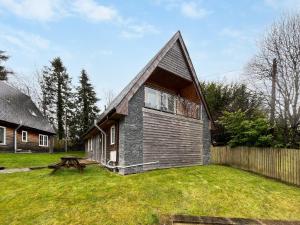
[248, 132]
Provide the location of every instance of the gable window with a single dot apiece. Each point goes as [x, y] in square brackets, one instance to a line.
[43, 140]
[24, 136]
[167, 102]
[152, 98]
[112, 135]
[2, 135]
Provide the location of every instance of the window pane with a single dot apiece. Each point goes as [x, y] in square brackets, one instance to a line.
[24, 136]
[152, 98]
[1, 135]
[112, 135]
[45, 140]
[41, 139]
[167, 102]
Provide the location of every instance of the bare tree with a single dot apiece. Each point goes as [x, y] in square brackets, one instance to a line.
[282, 43]
[108, 97]
[29, 86]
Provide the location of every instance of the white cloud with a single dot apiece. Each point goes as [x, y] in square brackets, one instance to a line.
[283, 4]
[45, 10]
[24, 40]
[91, 10]
[193, 10]
[138, 30]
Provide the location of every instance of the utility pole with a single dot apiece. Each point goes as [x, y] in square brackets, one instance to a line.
[273, 94]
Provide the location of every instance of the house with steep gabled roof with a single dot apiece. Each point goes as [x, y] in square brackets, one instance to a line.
[23, 128]
[159, 120]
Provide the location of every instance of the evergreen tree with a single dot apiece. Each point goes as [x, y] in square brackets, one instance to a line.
[87, 109]
[232, 97]
[56, 95]
[3, 71]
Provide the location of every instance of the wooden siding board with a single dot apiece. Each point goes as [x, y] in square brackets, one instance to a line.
[172, 140]
[32, 143]
[282, 164]
[175, 62]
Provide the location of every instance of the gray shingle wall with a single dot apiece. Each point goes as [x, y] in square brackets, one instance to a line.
[206, 139]
[131, 135]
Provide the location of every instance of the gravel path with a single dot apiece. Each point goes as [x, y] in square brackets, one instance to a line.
[16, 170]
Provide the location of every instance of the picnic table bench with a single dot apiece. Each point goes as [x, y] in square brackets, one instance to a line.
[67, 162]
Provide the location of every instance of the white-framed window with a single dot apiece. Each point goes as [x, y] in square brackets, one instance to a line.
[112, 134]
[43, 140]
[201, 112]
[24, 136]
[2, 135]
[90, 145]
[167, 102]
[152, 98]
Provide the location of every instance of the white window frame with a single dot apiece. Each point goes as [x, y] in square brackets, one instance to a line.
[24, 132]
[201, 111]
[90, 145]
[112, 137]
[157, 94]
[4, 136]
[44, 138]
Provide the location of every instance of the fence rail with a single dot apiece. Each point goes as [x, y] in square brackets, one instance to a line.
[279, 163]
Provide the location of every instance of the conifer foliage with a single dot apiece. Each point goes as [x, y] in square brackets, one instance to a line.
[70, 110]
[4, 72]
[56, 95]
[86, 105]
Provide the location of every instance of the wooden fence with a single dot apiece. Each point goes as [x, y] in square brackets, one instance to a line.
[278, 163]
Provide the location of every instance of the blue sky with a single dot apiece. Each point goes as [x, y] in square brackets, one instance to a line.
[113, 40]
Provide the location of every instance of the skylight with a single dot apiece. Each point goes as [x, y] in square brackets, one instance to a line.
[32, 112]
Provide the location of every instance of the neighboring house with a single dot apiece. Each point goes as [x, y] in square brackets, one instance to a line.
[22, 125]
[159, 120]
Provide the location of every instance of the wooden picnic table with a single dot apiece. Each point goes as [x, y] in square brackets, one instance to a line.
[67, 162]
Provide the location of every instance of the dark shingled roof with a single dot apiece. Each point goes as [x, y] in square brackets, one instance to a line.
[18, 108]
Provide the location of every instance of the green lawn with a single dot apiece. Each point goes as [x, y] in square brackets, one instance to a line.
[101, 197]
[12, 160]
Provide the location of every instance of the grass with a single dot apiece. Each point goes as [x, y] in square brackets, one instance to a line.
[22, 160]
[101, 197]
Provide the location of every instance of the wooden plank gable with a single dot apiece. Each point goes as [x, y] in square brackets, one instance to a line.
[175, 62]
[174, 58]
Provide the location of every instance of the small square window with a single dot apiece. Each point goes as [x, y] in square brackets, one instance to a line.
[112, 135]
[2, 135]
[24, 136]
[43, 140]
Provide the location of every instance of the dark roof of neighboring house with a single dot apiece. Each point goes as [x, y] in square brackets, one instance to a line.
[133, 86]
[18, 108]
